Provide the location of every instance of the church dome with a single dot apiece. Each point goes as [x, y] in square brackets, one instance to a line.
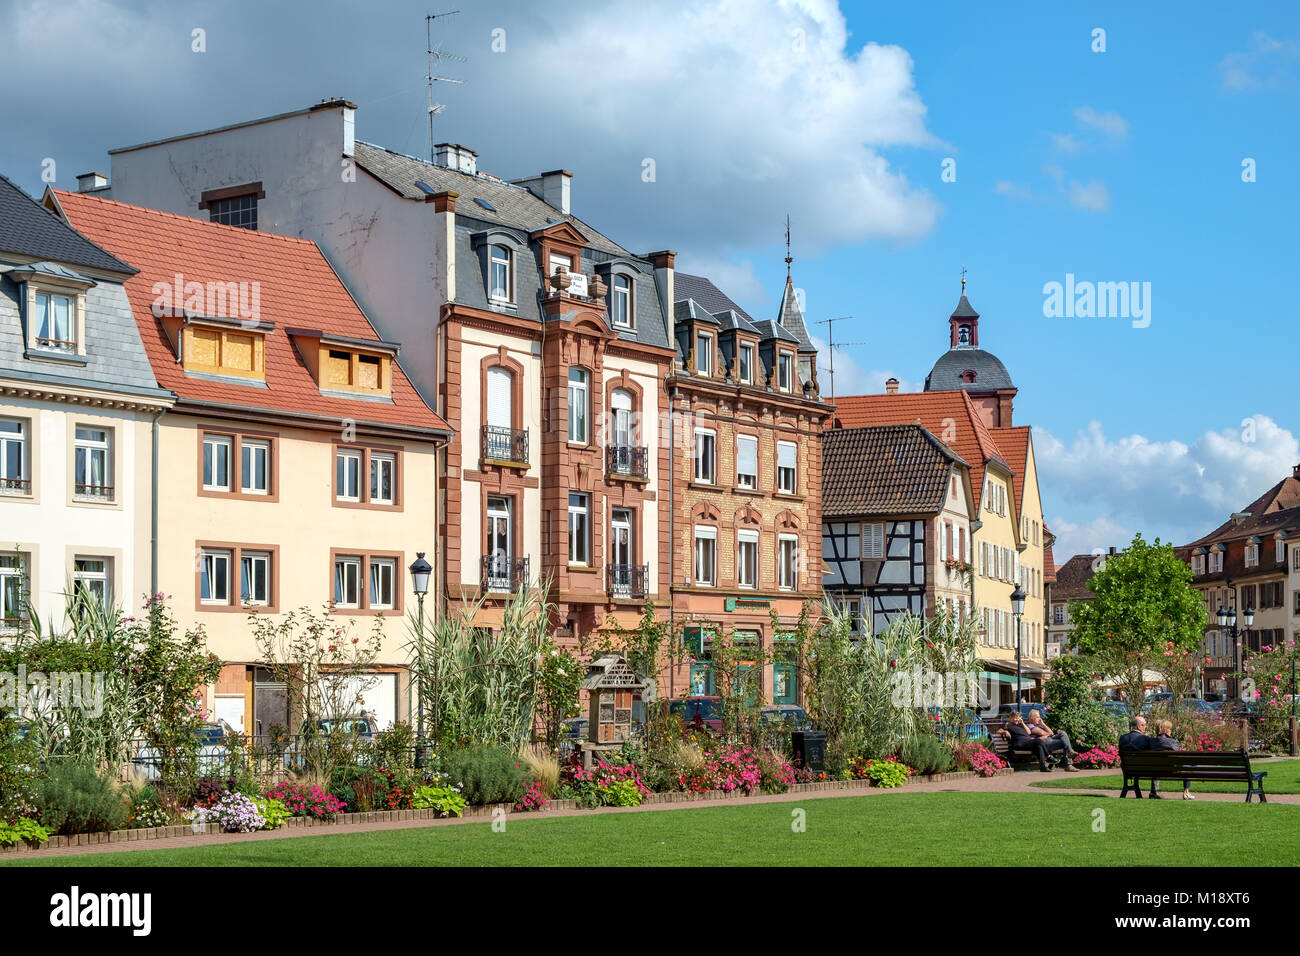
[966, 366]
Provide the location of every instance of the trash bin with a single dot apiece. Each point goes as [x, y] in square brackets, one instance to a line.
[810, 749]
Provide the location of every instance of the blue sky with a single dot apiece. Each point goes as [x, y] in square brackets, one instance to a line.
[1123, 165]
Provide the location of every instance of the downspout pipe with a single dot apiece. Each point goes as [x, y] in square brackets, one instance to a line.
[153, 505]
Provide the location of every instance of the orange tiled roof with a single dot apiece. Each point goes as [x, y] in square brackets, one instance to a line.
[1014, 444]
[946, 414]
[297, 289]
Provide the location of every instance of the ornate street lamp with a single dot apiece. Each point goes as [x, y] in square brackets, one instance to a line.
[420, 570]
[1018, 609]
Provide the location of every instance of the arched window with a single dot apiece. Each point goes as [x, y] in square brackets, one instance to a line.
[501, 276]
[621, 418]
[963, 335]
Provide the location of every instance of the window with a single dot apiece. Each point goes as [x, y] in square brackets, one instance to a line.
[255, 578]
[852, 606]
[620, 402]
[579, 529]
[369, 372]
[706, 556]
[93, 474]
[214, 576]
[383, 577]
[91, 577]
[12, 587]
[216, 462]
[13, 456]
[945, 533]
[578, 406]
[1295, 559]
[347, 475]
[706, 453]
[56, 322]
[622, 302]
[873, 541]
[383, 470]
[1198, 564]
[783, 380]
[961, 544]
[1058, 614]
[254, 467]
[703, 354]
[1252, 555]
[500, 277]
[747, 560]
[746, 362]
[238, 211]
[746, 461]
[787, 565]
[559, 263]
[226, 352]
[785, 467]
[347, 581]
[621, 553]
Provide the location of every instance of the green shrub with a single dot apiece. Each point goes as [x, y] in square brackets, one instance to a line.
[441, 797]
[886, 773]
[487, 775]
[393, 748]
[26, 829]
[926, 754]
[1088, 724]
[273, 811]
[77, 798]
[18, 761]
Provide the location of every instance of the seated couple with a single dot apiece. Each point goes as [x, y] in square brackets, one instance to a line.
[1036, 737]
[1137, 739]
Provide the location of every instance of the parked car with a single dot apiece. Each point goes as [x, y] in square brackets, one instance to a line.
[787, 716]
[211, 753]
[356, 726]
[1198, 705]
[964, 723]
[1160, 699]
[701, 713]
[1024, 708]
[1118, 708]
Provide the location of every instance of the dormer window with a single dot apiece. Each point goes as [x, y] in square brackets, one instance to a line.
[784, 372]
[621, 302]
[218, 350]
[233, 205]
[56, 322]
[348, 370]
[559, 263]
[745, 362]
[53, 300]
[968, 376]
[704, 354]
[501, 285]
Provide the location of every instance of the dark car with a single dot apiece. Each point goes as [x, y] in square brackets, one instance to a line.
[951, 722]
[700, 713]
[787, 716]
[1118, 708]
[1163, 700]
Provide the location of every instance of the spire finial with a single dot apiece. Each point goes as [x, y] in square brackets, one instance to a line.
[788, 258]
[963, 280]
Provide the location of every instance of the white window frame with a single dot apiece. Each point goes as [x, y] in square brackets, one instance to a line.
[45, 315]
[350, 459]
[1279, 551]
[579, 529]
[706, 544]
[84, 450]
[1252, 556]
[787, 476]
[507, 262]
[92, 577]
[350, 564]
[747, 539]
[212, 445]
[579, 406]
[250, 450]
[621, 301]
[248, 562]
[745, 362]
[382, 575]
[209, 559]
[10, 440]
[710, 459]
[747, 480]
[784, 371]
[381, 462]
[12, 579]
[787, 572]
[704, 355]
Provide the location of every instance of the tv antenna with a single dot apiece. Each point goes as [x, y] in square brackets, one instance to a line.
[436, 53]
[831, 346]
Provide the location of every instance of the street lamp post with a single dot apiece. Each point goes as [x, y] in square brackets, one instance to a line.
[1018, 609]
[1227, 618]
[420, 571]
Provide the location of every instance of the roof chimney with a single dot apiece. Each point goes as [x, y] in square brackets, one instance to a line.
[891, 386]
[457, 157]
[91, 182]
[555, 189]
[665, 275]
[1112, 550]
[1295, 472]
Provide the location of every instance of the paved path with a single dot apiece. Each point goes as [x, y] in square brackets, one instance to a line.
[1019, 782]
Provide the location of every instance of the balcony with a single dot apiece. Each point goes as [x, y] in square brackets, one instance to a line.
[626, 580]
[504, 575]
[624, 461]
[15, 486]
[507, 446]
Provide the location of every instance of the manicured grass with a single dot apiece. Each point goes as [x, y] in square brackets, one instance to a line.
[1283, 777]
[924, 829]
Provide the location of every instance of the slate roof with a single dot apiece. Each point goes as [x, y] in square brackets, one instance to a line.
[514, 204]
[1072, 579]
[790, 316]
[946, 375]
[298, 289]
[29, 229]
[942, 413]
[884, 470]
[712, 299]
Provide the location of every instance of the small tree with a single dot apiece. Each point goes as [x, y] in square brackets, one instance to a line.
[1144, 605]
[559, 681]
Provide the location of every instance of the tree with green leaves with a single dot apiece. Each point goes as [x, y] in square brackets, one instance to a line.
[1144, 606]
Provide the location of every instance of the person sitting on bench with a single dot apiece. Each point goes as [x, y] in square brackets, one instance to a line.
[1164, 741]
[1136, 738]
[1038, 727]
[1020, 738]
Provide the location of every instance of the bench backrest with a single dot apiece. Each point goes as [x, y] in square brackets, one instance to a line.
[1205, 764]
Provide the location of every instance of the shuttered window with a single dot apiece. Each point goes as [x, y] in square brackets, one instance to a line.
[873, 541]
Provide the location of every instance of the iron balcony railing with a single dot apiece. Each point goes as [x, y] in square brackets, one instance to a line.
[94, 491]
[627, 461]
[23, 485]
[504, 575]
[505, 444]
[626, 580]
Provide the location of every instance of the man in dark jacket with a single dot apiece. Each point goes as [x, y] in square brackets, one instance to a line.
[1136, 738]
[1020, 738]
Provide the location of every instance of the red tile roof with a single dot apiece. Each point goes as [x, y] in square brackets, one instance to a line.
[951, 416]
[297, 289]
[1014, 445]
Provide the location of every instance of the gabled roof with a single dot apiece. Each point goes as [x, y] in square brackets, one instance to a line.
[297, 289]
[688, 310]
[1250, 525]
[512, 205]
[768, 329]
[29, 229]
[1072, 579]
[942, 413]
[1285, 494]
[1013, 442]
[884, 470]
[731, 320]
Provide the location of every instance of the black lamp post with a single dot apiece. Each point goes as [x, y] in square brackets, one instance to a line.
[1227, 618]
[1018, 609]
[420, 572]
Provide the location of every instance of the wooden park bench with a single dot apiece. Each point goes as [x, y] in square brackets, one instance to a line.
[1232, 766]
[1002, 746]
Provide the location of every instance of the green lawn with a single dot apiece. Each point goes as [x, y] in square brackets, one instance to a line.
[923, 829]
[1283, 777]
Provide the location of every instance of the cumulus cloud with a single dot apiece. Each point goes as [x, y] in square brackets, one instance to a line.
[1268, 63]
[1104, 488]
[1109, 123]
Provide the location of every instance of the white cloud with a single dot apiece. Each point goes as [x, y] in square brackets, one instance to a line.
[1094, 197]
[1109, 124]
[1006, 187]
[1103, 489]
[1269, 63]
[1065, 143]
